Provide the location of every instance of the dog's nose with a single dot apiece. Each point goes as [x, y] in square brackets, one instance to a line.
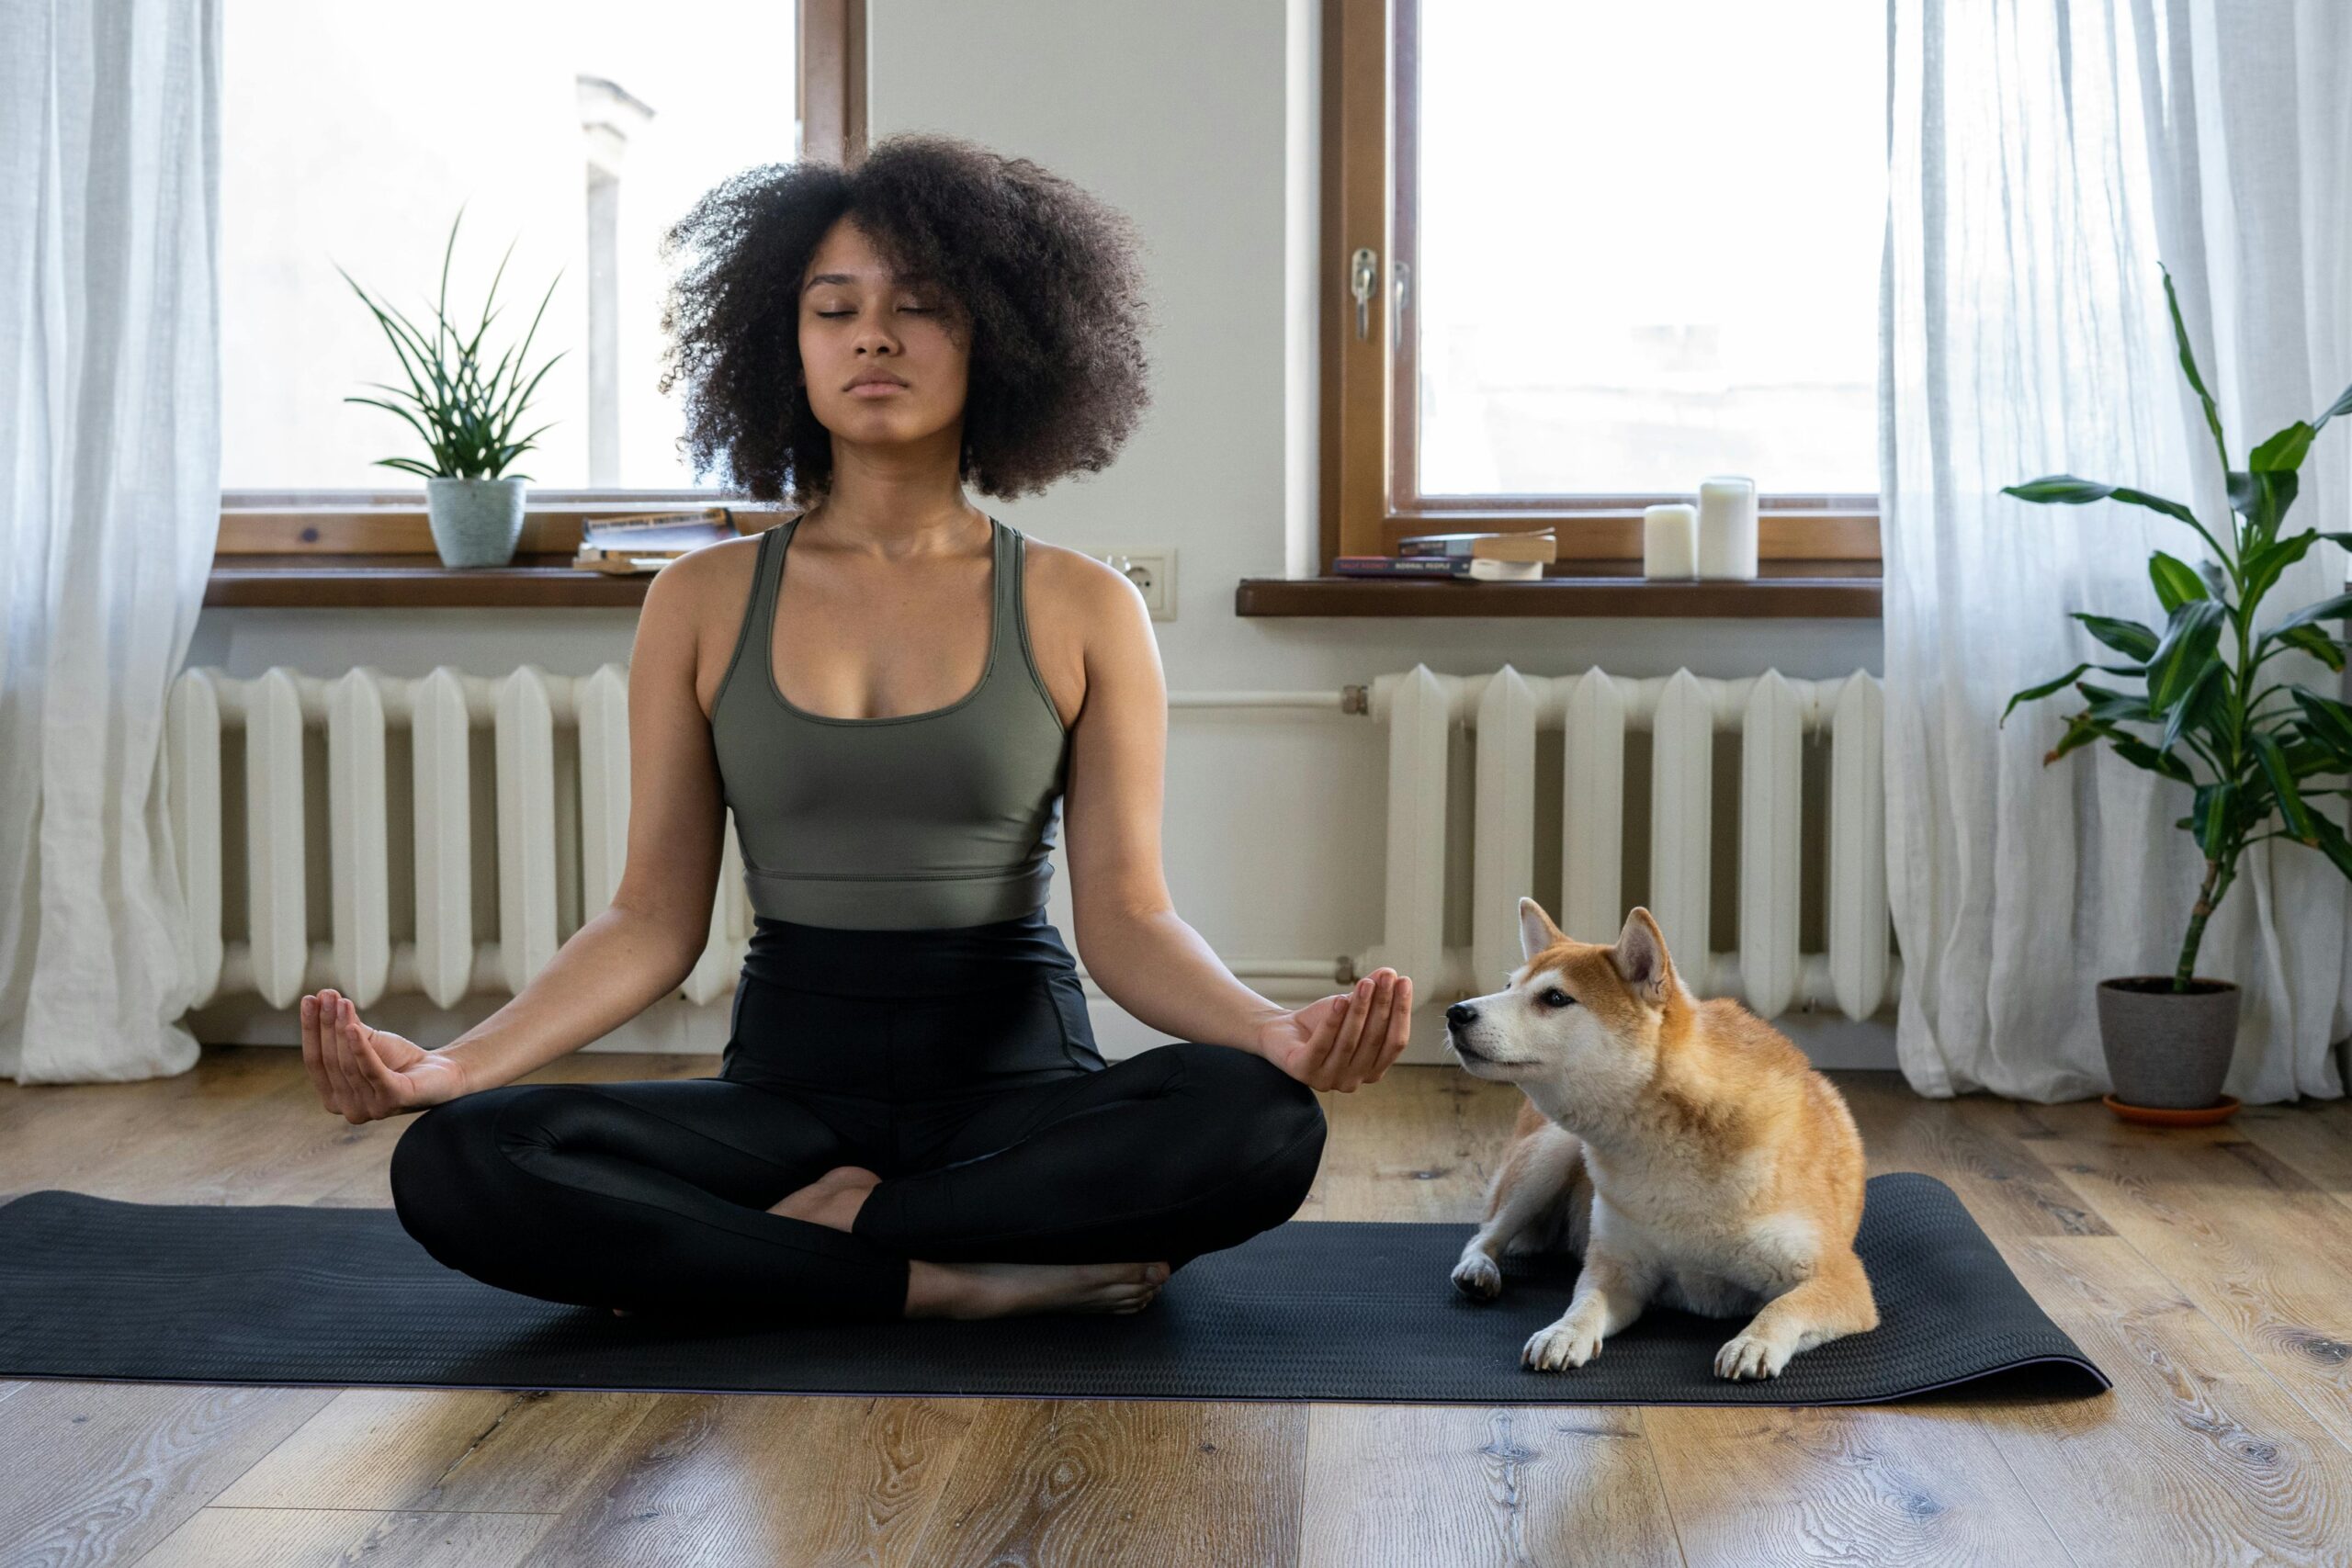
[1460, 1015]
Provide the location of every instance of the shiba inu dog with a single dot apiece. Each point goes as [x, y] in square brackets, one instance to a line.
[1687, 1149]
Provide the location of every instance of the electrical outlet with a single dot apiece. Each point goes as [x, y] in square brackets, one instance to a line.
[1153, 572]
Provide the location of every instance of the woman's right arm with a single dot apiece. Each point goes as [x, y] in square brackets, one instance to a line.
[624, 959]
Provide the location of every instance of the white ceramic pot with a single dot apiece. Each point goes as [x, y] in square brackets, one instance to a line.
[475, 522]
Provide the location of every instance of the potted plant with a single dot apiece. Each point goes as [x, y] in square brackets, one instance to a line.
[466, 419]
[2254, 751]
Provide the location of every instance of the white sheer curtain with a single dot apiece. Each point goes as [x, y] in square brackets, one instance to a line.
[2044, 158]
[110, 504]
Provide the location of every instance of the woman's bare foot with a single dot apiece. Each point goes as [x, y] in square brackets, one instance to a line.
[1007, 1290]
[833, 1199]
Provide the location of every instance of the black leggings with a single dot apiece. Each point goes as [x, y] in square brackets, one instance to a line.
[957, 1064]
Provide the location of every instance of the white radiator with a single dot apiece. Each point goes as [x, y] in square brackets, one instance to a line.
[1589, 717]
[560, 781]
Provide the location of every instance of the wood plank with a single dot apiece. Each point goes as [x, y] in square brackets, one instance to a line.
[2261, 1251]
[1419, 1144]
[98, 1473]
[2315, 1136]
[295, 1537]
[1140, 1483]
[453, 1451]
[1437, 1485]
[2007, 1190]
[1916, 1486]
[2198, 1457]
[765, 1478]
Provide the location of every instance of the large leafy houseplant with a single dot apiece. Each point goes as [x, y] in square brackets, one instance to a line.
[2261, 755]
[466, 417]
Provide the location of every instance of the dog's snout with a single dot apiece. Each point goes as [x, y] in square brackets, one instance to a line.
[1460, 1015]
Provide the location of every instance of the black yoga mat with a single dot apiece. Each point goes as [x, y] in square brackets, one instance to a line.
[1334, 1310]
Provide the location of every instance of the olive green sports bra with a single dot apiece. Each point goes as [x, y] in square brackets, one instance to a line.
[915, 820]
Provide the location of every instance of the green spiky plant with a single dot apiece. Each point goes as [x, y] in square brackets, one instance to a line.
[2250, 751]
[465, 418]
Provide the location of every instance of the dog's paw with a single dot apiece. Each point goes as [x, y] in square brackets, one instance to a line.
[1750, 1356]
[1563, 1346]
[1478, 1276]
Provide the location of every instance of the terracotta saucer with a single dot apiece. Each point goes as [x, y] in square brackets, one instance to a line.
[2153, 1116]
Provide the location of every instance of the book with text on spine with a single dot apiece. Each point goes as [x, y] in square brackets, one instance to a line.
[1458, 569]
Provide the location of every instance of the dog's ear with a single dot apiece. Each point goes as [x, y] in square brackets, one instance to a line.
[1641, 957]
[1536, 930]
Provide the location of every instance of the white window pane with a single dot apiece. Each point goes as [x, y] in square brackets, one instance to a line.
[352, 133]
[1650, 245]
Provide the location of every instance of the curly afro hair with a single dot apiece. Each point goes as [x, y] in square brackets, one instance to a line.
[1044, 281]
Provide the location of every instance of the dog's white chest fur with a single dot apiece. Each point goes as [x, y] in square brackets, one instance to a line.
[1699, 1230]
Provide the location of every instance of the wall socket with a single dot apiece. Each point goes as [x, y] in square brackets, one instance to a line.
[1153, 571]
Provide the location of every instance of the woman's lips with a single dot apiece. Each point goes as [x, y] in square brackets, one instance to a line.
[874, 388]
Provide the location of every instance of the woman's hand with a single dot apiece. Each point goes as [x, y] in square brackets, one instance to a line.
[364, 1074]
[1343, 1040]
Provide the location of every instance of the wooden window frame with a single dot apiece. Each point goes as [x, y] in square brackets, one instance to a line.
[1370, 385]
[299, 534]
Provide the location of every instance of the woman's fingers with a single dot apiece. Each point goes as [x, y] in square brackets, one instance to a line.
[1400, 1029]
[391, 1089]
[314, 1060]
[331, 1051]
[1373, 1038]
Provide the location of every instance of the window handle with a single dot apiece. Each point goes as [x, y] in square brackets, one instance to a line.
[1403, 275]
[1363, 277]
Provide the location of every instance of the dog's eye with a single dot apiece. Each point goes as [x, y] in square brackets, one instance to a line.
[1556, 998]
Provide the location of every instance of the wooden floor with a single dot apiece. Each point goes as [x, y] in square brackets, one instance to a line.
[2209, 1272]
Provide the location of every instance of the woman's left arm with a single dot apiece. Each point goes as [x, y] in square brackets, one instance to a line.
[1129, 937]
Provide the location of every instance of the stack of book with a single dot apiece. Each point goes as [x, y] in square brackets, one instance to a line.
[648, 541]
[1474, 556]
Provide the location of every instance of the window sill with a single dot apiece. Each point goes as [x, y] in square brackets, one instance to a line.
[1784, 589]
[533, 580]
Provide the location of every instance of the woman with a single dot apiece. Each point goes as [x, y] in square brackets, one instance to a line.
[911, 1118]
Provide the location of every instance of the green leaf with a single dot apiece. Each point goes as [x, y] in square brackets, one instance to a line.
[2065, 490]
[2140, 754]
[2186, 652]
[2196, 705]
[2328, 650]
[2282, 785]
[2334, 609]
[2081, 730]
[2034, 693]
[2284, 450]
[2211, 818]
[2262, 566]
[2188, 364]
[2332, 841]
[2329, 721]
[2341, 405]
[2116, 707]
[2262, 499]
[2175, 582]
[2124, 637]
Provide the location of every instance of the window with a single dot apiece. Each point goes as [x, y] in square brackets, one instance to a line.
[576, 130]
[1580, 255]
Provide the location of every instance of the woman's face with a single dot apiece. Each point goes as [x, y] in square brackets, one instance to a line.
[857, 320]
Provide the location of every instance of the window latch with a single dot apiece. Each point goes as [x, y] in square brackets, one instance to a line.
[1363, 277]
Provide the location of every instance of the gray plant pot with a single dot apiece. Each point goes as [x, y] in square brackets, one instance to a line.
[475, 522]
[2167, 1050]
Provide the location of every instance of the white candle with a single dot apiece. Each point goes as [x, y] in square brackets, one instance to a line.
[1670, 540]
[1728, 526]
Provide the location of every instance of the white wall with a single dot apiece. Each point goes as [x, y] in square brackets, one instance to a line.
[1198, 121]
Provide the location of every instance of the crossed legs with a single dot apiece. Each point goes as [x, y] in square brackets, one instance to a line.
[657, 1195]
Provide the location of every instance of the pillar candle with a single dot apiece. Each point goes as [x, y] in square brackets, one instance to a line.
[1670, 540]
[1727, 527]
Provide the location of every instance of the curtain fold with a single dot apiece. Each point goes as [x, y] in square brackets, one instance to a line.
[109, 506]
[2043, 160]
